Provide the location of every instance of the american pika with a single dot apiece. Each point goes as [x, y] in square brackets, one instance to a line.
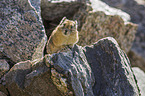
[64, 34]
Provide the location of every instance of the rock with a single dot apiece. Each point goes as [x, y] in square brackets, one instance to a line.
[106, 23]
[140, 2]
[137, 58]
[2, 94]
[74, 66]
[22, 34]
[30, 78]
[92, 24]
[98, 25]
[136, 10]
[36, 4]
[98, 5]
[3, 90]
[140, 75]
[4, 67]
[15, 78]
[111, 68]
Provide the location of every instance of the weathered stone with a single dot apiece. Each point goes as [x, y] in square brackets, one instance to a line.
[4, 67]
[3, 89]
[98, 25]
[74, 66]
[108, 22]
[140, 76]
[2, 94]
[137, 58]
[36, 4]
[111, 68]
[140, 2]
[98, 5]
[22, 34]
[15, 78]
[137, 14]
[30, 78]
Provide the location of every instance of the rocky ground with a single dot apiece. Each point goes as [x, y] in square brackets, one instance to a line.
[98, 65]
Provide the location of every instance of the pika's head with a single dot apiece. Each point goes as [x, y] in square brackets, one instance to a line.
[68, 27]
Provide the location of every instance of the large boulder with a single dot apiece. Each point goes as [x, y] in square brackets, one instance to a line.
[22, 34]
[111, 68]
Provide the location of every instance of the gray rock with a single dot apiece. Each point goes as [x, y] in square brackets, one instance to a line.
[22, 34]
[111, 68]
[2, 94]
[75, 67]
[15, 78]
[137, 13]
[30, 78]
[4, 67]
[140, 76]
[3, 90]
[36, 4]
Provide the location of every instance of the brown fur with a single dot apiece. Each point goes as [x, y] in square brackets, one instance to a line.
[65, 34]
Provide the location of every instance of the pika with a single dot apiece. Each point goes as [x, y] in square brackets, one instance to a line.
[65, 34]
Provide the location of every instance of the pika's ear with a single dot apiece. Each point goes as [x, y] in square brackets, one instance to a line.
[76, 24]
[62, 21]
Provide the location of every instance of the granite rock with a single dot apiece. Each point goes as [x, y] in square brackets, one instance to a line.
[140, 76]
[73, 65]
[136, 10]
[2, 94]
[30, 78]
[4, 67]
[98, 25]
[104, 21]
[22, 33]
[111, 68]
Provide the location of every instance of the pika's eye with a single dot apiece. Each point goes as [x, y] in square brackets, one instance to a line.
[65, 32]
[64, 25]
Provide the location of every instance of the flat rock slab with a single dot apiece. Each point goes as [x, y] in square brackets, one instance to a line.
[21, 31]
